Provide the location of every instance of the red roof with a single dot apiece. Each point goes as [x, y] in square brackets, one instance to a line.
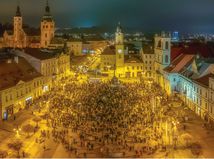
[202, 49]
[179, 63]
[204, 80]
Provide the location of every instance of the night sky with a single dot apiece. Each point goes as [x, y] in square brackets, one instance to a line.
[142, 15]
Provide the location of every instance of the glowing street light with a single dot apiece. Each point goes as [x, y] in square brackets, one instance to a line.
[17, 131]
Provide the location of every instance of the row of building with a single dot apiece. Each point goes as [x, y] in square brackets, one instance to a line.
[186, 70]
[32, 60]
[182, 69]
[29, 66]
[26, 74]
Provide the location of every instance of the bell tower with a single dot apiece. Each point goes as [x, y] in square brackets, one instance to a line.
[162, 50]
[162, 57]
[47, 27]
[119, 45]
[17, 27]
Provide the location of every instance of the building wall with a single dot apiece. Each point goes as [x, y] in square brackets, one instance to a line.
[15, 98]
[47, 32]
[75, 48]
[108, 62]
[133, 70]
[211, 99]
[148, 67]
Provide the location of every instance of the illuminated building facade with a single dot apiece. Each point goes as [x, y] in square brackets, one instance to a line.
[87, 45]
[22, 36]
[162, 56]
[20, 84]
[148, 58]
[115, 58]
[51, 63]
[189, 76]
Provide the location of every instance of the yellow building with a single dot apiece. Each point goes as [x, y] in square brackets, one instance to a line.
[211, 99]
[114, 58]
[20, 84]
[47, 28]
[52, 63]
[162, 56]
[148, 57]
[80, 47]
[75, 47]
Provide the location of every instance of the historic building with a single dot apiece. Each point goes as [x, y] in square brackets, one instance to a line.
[23, 36]
[148, 58]
[86, 45]
[51, 63]
[186, 71]
[20, 84]
[162, 51]
[47, 28]
[115, 60]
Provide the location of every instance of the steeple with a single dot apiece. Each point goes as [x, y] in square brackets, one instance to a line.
[119, 28]
[47, 8]
[18, 12]
[119, 36]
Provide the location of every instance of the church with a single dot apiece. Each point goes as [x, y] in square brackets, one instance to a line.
[115, 59]
[23, 37]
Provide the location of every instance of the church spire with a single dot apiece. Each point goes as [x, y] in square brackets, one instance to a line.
[119, 28]
[47, 8]
[18, 12]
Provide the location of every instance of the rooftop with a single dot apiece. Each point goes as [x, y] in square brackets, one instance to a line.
[42, 54]
[109, 50]
[32, 31]
[11, 72]
[132, 59]
[204, 80]
[180, 63]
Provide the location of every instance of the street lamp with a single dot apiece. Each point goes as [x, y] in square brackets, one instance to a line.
[17, 131]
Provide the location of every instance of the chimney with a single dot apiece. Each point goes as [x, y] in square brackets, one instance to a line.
[16, 59]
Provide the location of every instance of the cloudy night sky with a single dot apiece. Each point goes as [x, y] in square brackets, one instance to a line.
[142, 15]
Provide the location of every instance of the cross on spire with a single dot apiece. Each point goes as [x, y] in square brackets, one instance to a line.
[18, 12]
[47, 8]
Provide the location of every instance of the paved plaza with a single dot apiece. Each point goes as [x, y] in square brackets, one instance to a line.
[108, 119]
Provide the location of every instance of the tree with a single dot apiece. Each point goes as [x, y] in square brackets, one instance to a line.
[196, 149]
[16, 145]
[3, 154]
[28, 129]
[187, 138]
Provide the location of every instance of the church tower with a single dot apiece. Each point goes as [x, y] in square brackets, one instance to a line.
[162, 57]
[47, 28]
[162, 50]
[17, 28]
[119, 46]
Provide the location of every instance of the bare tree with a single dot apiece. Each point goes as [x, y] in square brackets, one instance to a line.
[28, 129]
[16, 146]
[3, 154]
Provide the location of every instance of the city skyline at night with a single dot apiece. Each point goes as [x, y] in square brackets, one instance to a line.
[194, 16]
[106, 79]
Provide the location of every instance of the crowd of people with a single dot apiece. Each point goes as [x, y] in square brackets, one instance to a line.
[106, 118]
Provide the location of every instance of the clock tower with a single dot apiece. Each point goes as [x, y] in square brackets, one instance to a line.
[47, 28]
[17, 23]
[119, 47]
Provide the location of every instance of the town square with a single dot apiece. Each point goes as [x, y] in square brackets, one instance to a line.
[96, 92]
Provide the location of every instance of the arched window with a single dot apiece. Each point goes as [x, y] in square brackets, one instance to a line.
[166, 59]
[167, 45]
